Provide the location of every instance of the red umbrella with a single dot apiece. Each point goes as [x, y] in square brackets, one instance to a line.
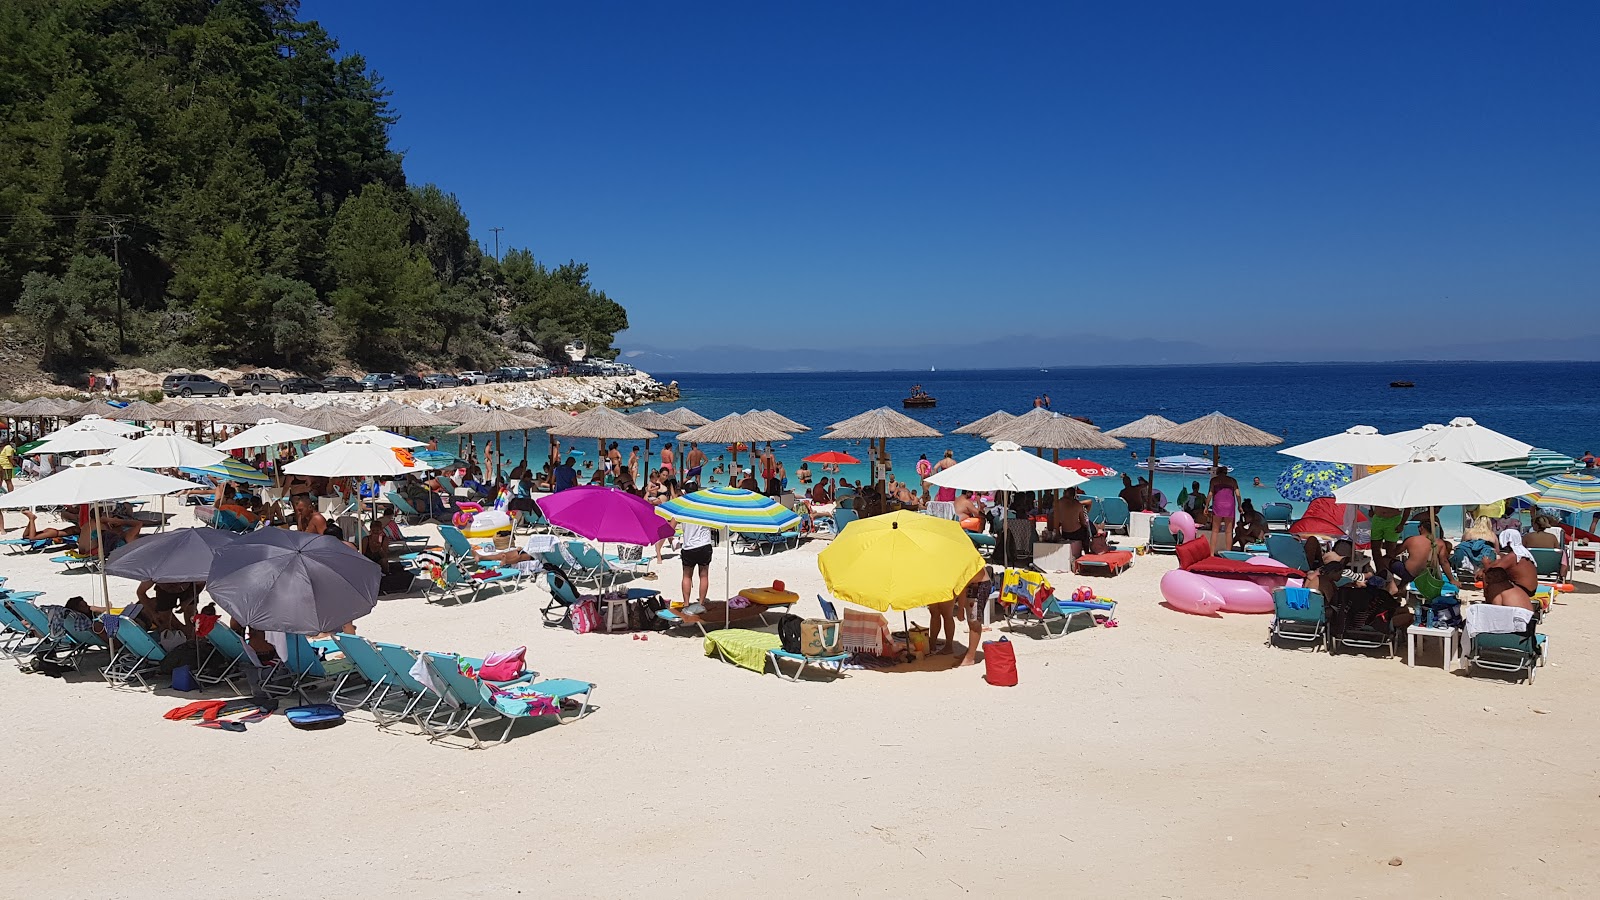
[1088, 468]
[833, 457]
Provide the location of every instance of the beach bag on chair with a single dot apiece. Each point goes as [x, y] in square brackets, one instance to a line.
[585, 616]
[820, 637]
[1000, 663]
[503, 666]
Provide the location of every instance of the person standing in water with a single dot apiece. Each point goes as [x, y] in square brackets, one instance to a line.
[1224, 508]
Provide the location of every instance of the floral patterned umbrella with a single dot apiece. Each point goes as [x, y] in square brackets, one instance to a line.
[1308, 480]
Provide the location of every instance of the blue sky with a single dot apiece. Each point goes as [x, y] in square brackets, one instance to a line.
[810, 174]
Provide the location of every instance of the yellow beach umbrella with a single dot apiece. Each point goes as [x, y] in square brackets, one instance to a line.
[902, 561]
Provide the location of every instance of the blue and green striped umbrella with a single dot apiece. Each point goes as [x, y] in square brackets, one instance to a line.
[1537, 464]
[232, 469]
[732, 508]
[1571, 493]
[1308, 480]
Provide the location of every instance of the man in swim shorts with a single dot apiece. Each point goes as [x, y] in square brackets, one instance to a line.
[974, 603]
[696, 554]
[1386, 524]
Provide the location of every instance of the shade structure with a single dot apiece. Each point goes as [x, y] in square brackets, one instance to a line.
[166, 409]
[686, 416]
[547, 417]
[605, 514]
[1056, 432]
[269, 432]
[495, 421]
[91, 484]
[140, 411]
[40, 406]
[602, 423]
[1432, 481]
[392, 414]
[1308, 480]
[1360, 445]
[274, 579]
[777, 420]
[1144, 428]
[372, 434]
[1417, 434]
[246, 414]
[1088, 468]
[658, 422]
[199, 412]
[163, 448]
[983, 426]
[832, 458]
[8, 407]
[95, 422]
[1464, 440]
[899, 561]
[85, 441]
[231, 469]
[882, 422]
[355, 456]
[1537, 464]
[329, 419]
[735, 428]
[1006, 467]
[1216, 430]
[735, 509]
[1569, 493]
[176, 556]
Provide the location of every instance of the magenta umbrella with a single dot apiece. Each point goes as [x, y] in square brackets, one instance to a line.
[605, 514]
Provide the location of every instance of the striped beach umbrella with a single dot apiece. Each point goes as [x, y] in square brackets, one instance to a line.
[735, 509]
[1309, 480]
[231, 469]
[1537, 464]
[1569, 493]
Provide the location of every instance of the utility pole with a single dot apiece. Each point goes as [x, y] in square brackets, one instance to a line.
[497, 229]
[116, 238]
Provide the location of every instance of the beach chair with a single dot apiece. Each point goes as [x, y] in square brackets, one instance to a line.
[1411, 529]
[412, 692]
[84, 641]
[1280, 516]
[1055, 615]
[138, 656]
[1113, 513]
[1343, 633]
[765, 542]
[16, 636]
[301, 669]
[1298, 615]
[842, 516]
[403, 509]
[1162, 537]
[1287, 550]
[226, 661]
[1550, 564]
[36, 624]
[563, 596]
[458, 582]
[1518, 654]
[476, 700]
[368, 665]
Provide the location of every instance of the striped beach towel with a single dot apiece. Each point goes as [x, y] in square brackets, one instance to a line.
[863, 632]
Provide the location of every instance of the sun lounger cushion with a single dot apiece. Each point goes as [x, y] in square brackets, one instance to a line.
[1191, 552]
[1218, 565]
[1112, 561]
[743, 647]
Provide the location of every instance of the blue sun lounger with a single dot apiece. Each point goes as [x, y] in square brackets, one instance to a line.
[138, 656]
[475, 701]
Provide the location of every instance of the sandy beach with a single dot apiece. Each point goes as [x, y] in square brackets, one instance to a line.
[1173, 756]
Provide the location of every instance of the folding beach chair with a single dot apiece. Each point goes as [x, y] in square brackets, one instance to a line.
[1162, 538]
[1113, 514]
[1518, 654]
[1286, 549]
[1549, 564]
[369, 666]
[138, 656]
[16, 636]
[402, 508]
[411, 691]
[474, 699]
[226, 661]
[1298, 614]
[1280, 516]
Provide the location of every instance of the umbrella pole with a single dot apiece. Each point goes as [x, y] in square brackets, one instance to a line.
[727, 576]
[100, 551]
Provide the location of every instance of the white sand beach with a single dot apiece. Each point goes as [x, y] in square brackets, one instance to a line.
[1173, 756]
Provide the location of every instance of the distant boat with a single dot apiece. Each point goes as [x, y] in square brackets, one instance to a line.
[922, 401]
[1402, 384]
[932, 369]
[1182, 464]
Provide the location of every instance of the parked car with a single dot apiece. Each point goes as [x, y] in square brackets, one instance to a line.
[341, 383]
[441, 380]
[409, 381]
[507, 373]
[257, 383]
[301, 385]
[381, 381]
[189, 384]
[473, 376]
[540, 372]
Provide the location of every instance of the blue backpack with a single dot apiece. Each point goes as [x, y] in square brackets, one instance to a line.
[317, 715]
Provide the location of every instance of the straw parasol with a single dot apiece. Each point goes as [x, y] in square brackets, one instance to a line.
[687, 416]
[248, 414]
[988, 423]
[733, 429]
[1145, 428]
[876, 427]
[1216, 430]
[659, 422]
[198, 412]
[332, 419]
[601, 423]
[170, 408]
[40, 407]
[546, 418]
[140, 411]
[777, 420]
[496, 421]
[102, 408]
[392, 414]
[1055, 432]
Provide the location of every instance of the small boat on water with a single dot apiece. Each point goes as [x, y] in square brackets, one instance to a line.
[1182, 464]
[919, 399]
[1402, 384]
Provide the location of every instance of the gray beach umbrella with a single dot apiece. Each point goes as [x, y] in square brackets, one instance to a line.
[176, 556]
[280, 580]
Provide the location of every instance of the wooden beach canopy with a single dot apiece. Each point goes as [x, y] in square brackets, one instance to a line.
[735, 428]
[101, 408]
[392, 414]
[41, 406]
[876, 427]
[601, 423]
[546, 418]
[1145, 428]
[983, 426]
[140, 411]
[777, 420]
[496, 422]
[248, 414]
[170, 408]
[687, 416]
[198, 412]
[332, 418]
[649, 418]
[8, 407]
[1054, 431]
[1216, 430]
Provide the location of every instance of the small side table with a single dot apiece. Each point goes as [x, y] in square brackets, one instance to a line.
[1450, 636]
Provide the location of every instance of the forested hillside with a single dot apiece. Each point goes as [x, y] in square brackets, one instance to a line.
[211, 181]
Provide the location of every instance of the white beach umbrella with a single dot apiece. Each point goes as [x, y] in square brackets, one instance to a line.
[1464, 440]
[1006, 467]
[1416, 434]
[372, 434]
[164, 448]
[356, 456]
[1358, 446]
[80, 442]
[269, 433]
[98, 423]
[1428, 480]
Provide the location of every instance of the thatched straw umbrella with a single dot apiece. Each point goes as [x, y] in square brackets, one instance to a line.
[687, 416]
[877, 426]
[496, 421]
[1216, 430]
[140, 411]
[248, 414]
[332, 418]
[8, 407]
[1142, 429]
[601, 423]
[777, 420]
[391, 415]
[983, 426]
[663, 424]
[197, 413]
[734, 429]
[547, 418]
[1055, 432]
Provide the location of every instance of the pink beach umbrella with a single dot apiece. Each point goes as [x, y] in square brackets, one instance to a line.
[605, 514]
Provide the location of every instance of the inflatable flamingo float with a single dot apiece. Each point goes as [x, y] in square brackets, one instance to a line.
[1226, 588]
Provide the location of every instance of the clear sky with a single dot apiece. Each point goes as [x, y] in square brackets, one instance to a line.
[802, 174]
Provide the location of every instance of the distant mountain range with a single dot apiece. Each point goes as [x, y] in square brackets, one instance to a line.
[1081, 350]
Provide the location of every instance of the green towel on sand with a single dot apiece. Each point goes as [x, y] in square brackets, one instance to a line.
[743, 647]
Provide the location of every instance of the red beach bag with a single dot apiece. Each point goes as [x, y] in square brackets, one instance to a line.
[1000, 663]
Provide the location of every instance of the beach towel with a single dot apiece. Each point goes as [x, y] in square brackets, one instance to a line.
[863, 632]
[942, 509]
[1486, 618]
[743, 647]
